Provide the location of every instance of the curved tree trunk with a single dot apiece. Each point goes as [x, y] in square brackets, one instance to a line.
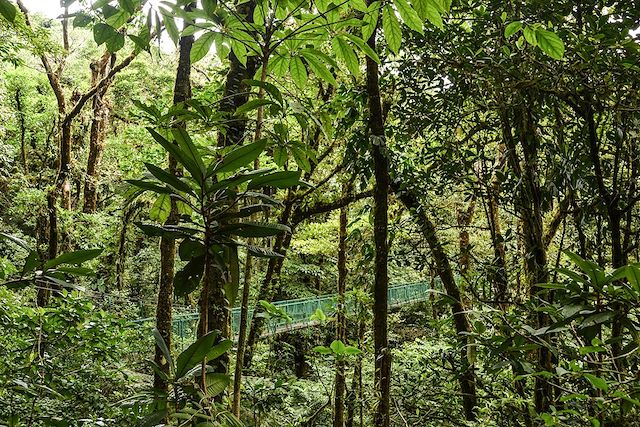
[443, 269]
[274, 266]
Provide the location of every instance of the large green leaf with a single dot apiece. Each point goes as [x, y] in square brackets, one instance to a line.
[195, 353]
[7, 10]
[240, 157]
[190, 248]
[597, 382]
[30, 264]
[345, 52]
[15, 240]
[363, 46]
[512, 28]
[591, 269]
[279, 67]
[178, 154]
[550, 43]
[391, 28]
[161, 208]
[162, 345]
[370, 20]
[169, 178]
[171, 27]
[318, 67]
[118, 19]
[633, 276]
[187, 279]
[102, 33]
[630, 272]
[270, 88]
[191, 152]
[239, 178]
[409, 15]
[202, 46]
[175, 232]
[216, 384]
[283, 179]
[219, 349]
[253, 104]
[530, 35]
[75, 257]
[255, 229]
[430, 10]
[298, 72]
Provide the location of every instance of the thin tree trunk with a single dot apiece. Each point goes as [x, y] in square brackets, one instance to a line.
[244, 309]
[23, 130]
[272, 274]
[499, 273]
[355, 393]
[242, 334]
[464, 218]
[341, 321]
[380, 233]
[44, 294]
[121, 258]
[164, 316]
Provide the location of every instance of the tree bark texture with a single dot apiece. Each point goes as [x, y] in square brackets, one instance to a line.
[341, 321]
[380, 233]
[99, 69]
[164, 307]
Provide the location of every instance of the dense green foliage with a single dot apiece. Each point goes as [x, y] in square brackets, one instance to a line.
[165, 160]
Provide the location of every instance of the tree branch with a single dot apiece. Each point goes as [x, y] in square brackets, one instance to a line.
[300, 215]
[98, 86]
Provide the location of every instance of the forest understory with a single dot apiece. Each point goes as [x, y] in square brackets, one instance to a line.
[330, 213]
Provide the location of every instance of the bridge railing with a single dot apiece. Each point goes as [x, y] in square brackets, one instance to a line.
[299, 310]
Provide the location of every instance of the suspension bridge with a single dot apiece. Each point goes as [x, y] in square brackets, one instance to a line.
[299, 312]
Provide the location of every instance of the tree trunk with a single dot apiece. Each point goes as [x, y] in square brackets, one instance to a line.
[181, 93]
[23, 130]
[242, 334]
[499, 265]
[443, 269]
[380, 233]
[244, 309]
[236, 92]
[528, 204]
[341, 321]
[99, 70]
[44, 293]
[464, 218]
[129, 213]
[272, 274]
[355, 393]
